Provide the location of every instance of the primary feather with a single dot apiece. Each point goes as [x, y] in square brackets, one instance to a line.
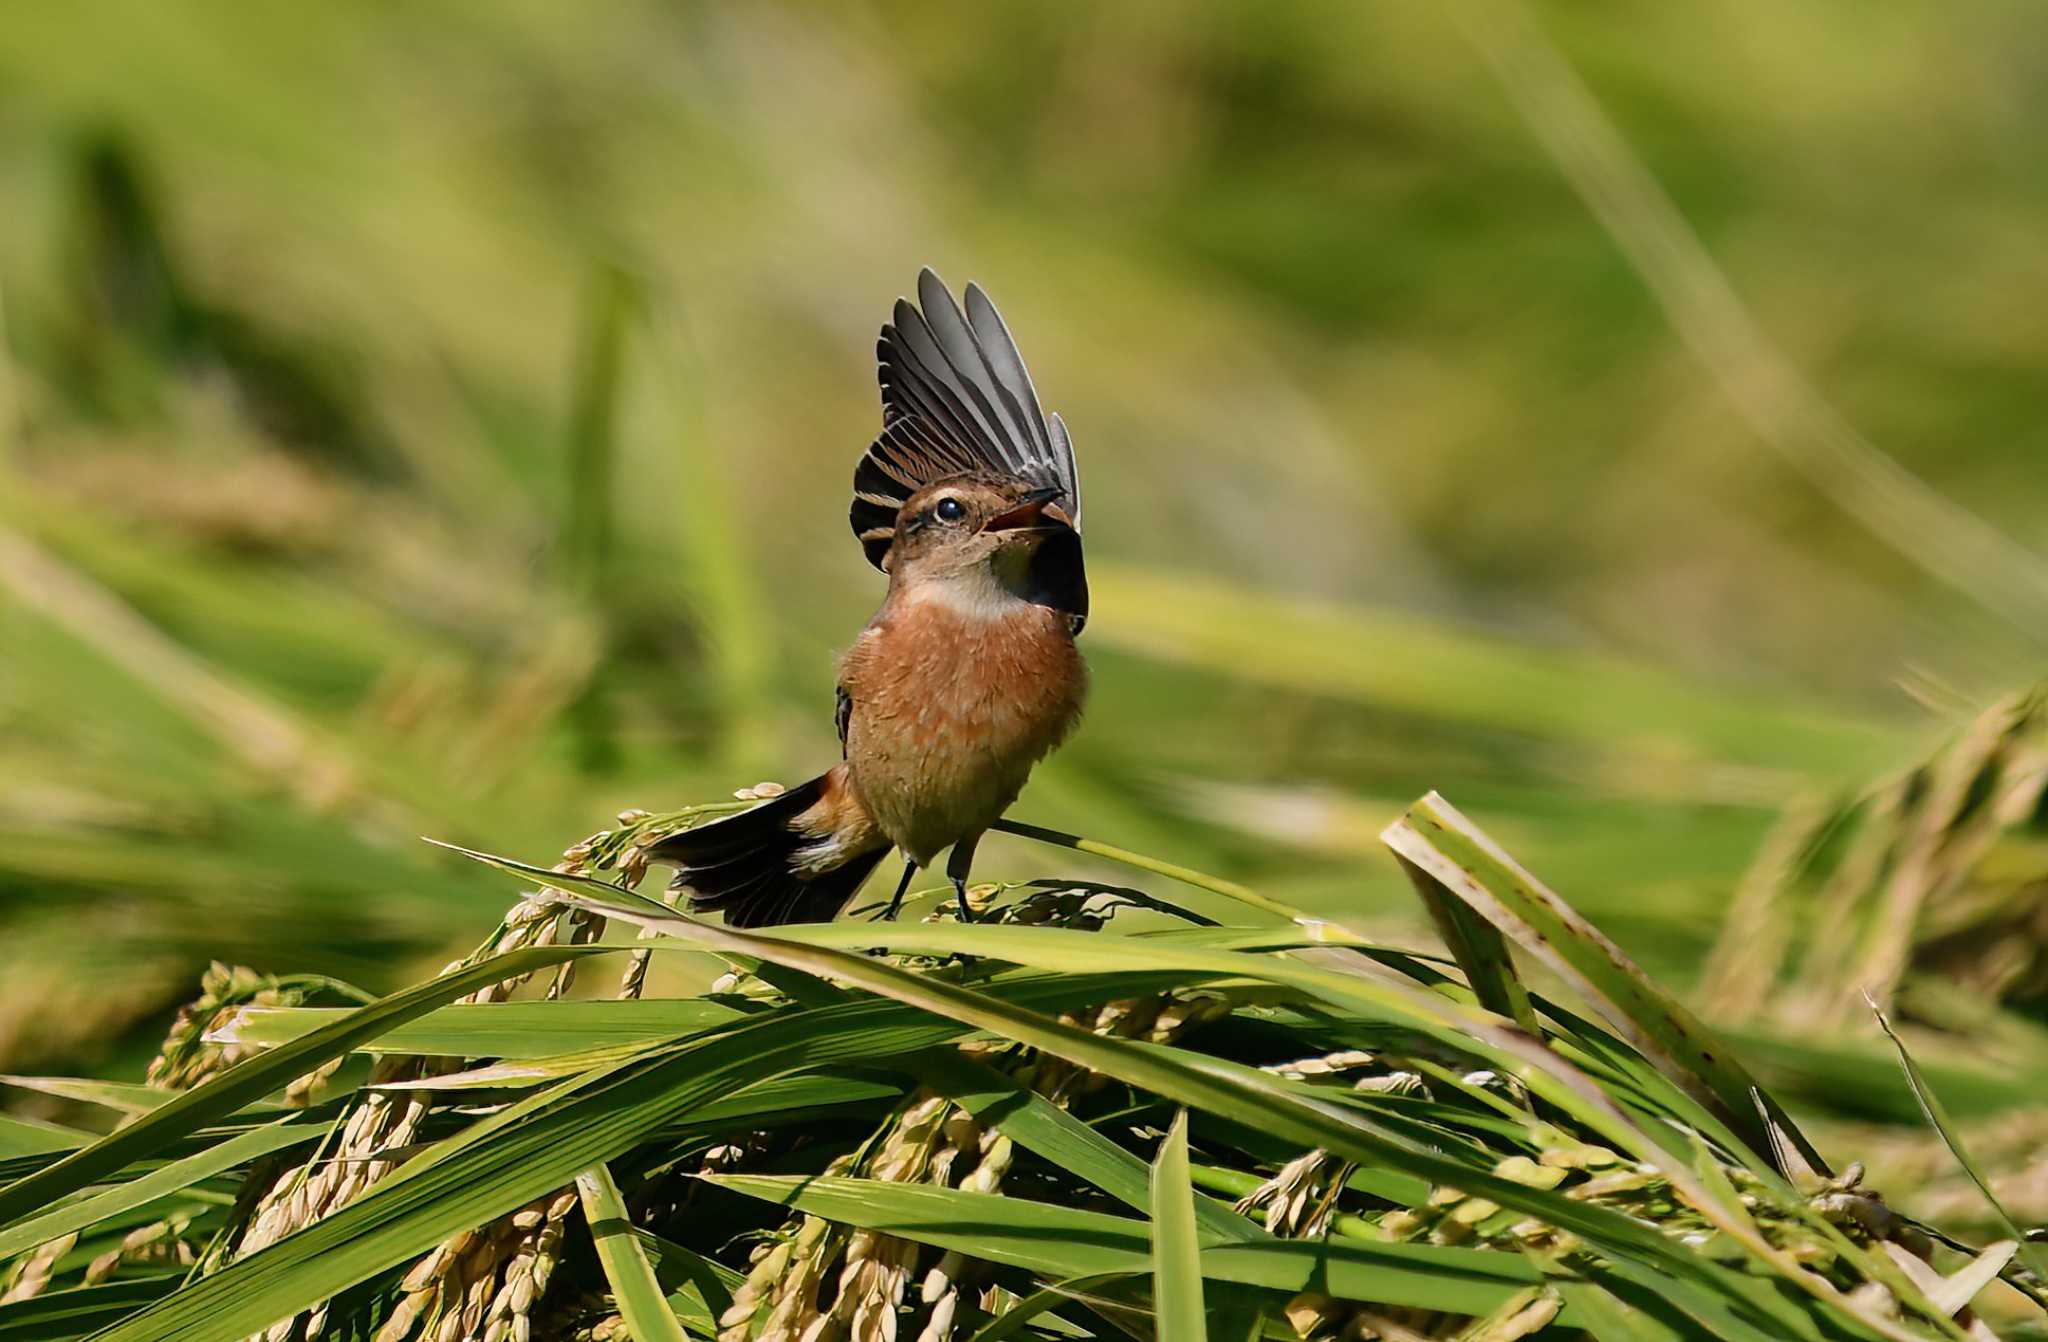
[956, 398]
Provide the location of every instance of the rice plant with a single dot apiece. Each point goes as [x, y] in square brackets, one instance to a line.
[1924, 888]
[1093, 1113]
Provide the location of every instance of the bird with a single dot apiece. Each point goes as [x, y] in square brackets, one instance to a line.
[968, 675]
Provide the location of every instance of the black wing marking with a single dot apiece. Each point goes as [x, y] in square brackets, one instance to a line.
[1059, 579]
[842, 714]
[956, 397]
[746, 865]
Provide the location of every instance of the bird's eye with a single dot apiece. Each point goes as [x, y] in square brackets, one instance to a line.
[950, 510]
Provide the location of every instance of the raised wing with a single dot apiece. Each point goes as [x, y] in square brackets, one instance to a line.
[955, 398]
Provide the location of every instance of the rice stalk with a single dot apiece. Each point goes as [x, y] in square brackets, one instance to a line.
[30, 1275]
[485, 1280]
[188, 1057]
[1929, 890]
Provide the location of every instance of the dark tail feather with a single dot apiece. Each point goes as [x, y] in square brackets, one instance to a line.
[743, 866]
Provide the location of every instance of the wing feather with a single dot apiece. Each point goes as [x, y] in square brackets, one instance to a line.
[966, 369]
[956, 398]
[1013, 380]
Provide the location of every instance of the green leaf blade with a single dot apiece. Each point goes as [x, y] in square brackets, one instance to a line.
[638, 1295]
[1176, 1256]
[256, 1077]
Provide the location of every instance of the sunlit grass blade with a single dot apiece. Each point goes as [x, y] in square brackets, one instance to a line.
[1176, 1256]
[1673, 1061]
[1958, 1291]
[59, 1316]
[1200, 880]
[256, 1077]
[1018, 1317]
[1062, 1241]
[1520, 1315]
[700, 1289]
[1394, 661]
[525, 1073]
[123, 1097]
[176, 1175]
[2033, 1253]
[1606, 1319]
[36, 1137]
[1455, 854]
[1479, 948]
[1040, 1126]
[638, 1296]
[492, 1029]
[1271, 938]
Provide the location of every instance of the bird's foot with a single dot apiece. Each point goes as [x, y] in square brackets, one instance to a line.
[888, 915]
[960, 893]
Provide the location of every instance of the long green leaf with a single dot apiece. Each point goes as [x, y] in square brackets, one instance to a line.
[1243, 894]
[1048, 1131]
[494, 1029]
[1062, 1242]
[256, 1077]
[123, 1097]
[2033, 1254]
[526, 1073]
[1401, 663]
[1459, 858]
[37, 1137]
[1606, 1318]
[1360, 986]
[699, 1288]
[1176, 1256]
[1630, 1075]
[59, 1316]
[1707, 1315]
[159, 1183]
[1018, 1317]
[1479, 948]
[640, 1300]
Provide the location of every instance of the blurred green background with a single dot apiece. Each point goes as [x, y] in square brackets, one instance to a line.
[438, 419]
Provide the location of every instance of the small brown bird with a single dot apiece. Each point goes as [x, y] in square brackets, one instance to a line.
[967, 676]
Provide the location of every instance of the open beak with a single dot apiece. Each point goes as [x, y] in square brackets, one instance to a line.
[1029, 512]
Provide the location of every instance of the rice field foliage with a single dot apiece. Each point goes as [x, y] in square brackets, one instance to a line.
[487, 473]
[412, 420]
[1093, 1112]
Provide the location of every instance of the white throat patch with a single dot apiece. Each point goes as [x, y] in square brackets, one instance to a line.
[974, 593]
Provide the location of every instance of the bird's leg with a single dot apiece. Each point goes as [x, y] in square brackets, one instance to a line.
[909, 870]
[956, 870]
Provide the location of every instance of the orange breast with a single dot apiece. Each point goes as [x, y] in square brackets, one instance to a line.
[950, 712]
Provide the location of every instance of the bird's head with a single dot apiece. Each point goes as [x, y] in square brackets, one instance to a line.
[981, 541]
[966, 522]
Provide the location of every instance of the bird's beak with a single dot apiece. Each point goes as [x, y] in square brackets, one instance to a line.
[1029, 512]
